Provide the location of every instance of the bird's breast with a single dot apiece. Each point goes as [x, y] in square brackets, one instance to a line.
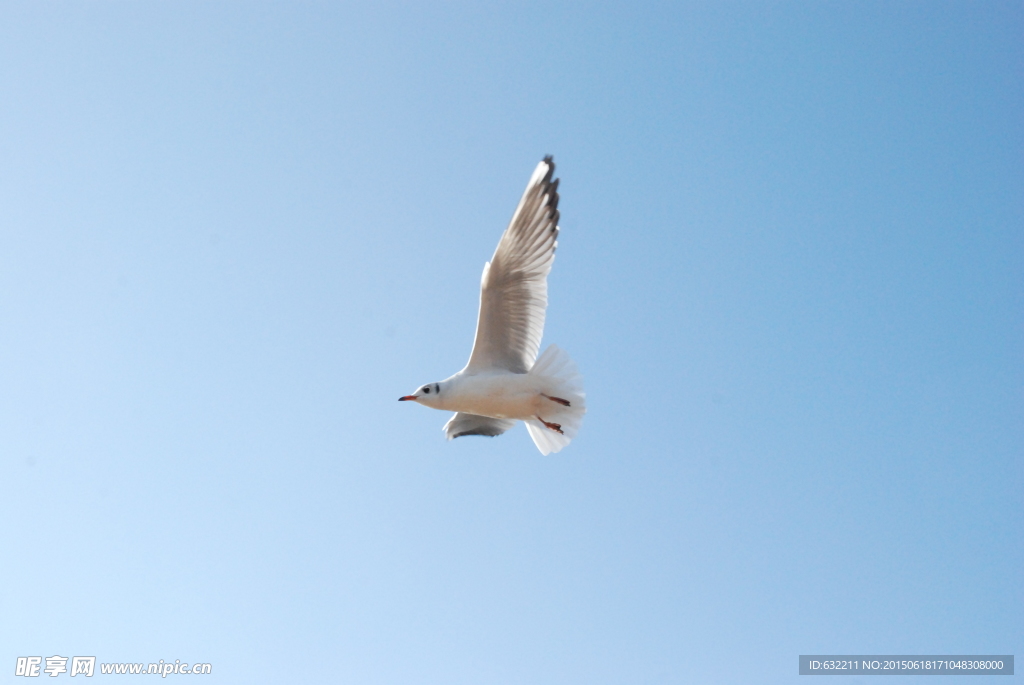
[504, 396]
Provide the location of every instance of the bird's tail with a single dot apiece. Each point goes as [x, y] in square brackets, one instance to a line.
[564, 382]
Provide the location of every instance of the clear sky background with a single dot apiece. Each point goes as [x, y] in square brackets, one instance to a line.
[791, 270]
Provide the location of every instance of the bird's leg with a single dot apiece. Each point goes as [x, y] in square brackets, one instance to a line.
[564, 403]
[557, 427]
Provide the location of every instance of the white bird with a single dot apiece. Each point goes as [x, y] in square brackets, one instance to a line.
[504, 381]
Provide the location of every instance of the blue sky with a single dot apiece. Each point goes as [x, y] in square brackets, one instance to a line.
[791, 270]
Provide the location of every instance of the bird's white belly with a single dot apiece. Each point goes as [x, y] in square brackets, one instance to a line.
[505, 396]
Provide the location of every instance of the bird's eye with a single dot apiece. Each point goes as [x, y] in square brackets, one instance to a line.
[426, 390]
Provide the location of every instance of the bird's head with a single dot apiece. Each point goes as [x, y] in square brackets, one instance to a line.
[429, 394]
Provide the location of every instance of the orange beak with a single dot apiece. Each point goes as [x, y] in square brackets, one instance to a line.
[407, 398]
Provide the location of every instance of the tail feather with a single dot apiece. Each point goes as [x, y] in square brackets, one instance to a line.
[565, 382]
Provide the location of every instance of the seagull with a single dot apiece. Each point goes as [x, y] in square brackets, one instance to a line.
[504, 380]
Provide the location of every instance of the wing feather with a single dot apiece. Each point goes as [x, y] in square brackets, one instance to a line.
[514, 285]
[462, 423]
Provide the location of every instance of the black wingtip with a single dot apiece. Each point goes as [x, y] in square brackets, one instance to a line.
[553, 197]
[483, 435]
[551, 182]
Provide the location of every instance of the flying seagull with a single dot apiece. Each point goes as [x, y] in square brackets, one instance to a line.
[505, 381]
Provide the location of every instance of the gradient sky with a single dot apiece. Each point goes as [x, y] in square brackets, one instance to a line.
[791, 270]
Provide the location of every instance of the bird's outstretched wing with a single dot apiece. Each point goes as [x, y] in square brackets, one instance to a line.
[514, 286]
[470, 424]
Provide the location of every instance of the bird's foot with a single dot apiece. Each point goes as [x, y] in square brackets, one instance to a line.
[564, 403]
[557, 427]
